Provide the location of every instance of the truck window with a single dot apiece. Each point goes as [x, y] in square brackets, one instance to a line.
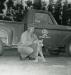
[43, 18]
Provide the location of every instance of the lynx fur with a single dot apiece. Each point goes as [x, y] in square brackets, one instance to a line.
[39, 50]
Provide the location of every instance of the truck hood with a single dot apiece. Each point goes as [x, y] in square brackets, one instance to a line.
[53, 27]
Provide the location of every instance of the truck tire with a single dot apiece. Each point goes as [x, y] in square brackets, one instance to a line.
[1, 48]
[68, 49]
[54, 52]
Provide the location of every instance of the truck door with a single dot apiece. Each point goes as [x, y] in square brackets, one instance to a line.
[45, 22]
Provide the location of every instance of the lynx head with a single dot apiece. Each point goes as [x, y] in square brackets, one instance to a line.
[40, 42]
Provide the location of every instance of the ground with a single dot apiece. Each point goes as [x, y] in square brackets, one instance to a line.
[12, 65]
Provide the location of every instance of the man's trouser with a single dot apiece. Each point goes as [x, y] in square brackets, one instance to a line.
[30, 50]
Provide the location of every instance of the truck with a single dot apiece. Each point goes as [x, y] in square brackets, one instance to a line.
[56, 38]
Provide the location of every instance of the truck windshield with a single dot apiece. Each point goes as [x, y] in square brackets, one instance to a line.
[43, 18]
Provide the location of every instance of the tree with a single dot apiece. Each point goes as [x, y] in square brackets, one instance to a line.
[51, 2]
[2, 5]
[37, 4]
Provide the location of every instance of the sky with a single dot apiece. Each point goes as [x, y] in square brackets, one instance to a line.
[48, 0]
[56, 0]
[69, 1]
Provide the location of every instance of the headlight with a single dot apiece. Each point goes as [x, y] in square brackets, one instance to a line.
[4, 36]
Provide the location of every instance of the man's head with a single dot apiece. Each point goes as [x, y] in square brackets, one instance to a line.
[31, 29]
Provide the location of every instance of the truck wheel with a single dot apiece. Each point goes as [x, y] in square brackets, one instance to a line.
[54, 52]
[1, 48]
[68, 49]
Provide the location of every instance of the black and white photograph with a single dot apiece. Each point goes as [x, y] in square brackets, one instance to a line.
[35, 37]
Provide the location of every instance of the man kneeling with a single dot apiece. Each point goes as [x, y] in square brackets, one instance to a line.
[29, 46]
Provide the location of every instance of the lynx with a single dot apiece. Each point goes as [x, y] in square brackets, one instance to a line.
[39, 48]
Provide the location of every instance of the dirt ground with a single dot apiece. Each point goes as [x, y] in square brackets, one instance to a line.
[12, 65]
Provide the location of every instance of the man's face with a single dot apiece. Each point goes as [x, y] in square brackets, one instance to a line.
[31, 29]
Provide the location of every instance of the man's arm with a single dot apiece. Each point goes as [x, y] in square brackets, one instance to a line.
[24, 40]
